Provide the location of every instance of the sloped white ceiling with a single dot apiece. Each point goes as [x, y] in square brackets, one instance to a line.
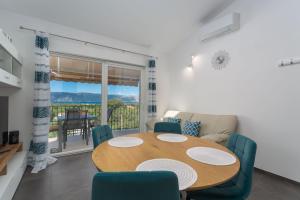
[155, 23]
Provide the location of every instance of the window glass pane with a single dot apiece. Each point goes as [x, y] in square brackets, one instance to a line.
[75, 84]
[124, 100]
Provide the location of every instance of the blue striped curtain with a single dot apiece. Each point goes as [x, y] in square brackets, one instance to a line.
[152, 107]
[39, 156]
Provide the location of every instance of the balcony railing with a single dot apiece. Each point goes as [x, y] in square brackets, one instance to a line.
[125, 116]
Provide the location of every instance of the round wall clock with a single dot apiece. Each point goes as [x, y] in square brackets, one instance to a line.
[220, 60]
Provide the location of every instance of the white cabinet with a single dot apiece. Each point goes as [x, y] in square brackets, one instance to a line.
[8, 79]
[10, 63]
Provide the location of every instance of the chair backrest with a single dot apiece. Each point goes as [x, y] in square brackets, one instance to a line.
[245, 149]
[167, 127]
[158, 185]
[73, 113]
[101, 134]
[109, 112]
[72, 120]
[84, 116]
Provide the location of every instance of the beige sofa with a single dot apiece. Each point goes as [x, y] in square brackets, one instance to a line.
[213, 127]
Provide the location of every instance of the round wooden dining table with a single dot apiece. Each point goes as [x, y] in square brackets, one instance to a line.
[115, 159]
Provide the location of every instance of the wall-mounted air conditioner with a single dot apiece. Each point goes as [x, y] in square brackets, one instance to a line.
[220, 26]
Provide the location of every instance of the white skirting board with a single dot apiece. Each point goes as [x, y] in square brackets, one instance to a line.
[73, 152]
[15, 171]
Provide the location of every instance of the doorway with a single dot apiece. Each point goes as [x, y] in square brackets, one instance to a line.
[109, 93]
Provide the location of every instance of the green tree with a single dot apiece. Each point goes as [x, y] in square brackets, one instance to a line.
[115, 103]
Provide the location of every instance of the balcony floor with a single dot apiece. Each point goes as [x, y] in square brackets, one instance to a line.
[76, 143]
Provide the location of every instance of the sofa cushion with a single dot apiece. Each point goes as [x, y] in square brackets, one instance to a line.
[216, 124]
[213, 127]
[173, 120]
[191, 128]
[218, 138]
[184, 116]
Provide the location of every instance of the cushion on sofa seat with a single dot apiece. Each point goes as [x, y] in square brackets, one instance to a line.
[218, 138]
[216, 124]
[173, 120]
[191, 128]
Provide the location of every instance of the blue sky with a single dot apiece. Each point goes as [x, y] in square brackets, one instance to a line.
[74, 87]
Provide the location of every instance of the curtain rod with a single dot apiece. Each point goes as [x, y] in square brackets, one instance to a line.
[92, 43]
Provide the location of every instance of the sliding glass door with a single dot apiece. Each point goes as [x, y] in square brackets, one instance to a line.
[75, 88]
[123, 99]
[110, 93]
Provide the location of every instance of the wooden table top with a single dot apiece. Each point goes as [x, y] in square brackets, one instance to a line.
[111, 159]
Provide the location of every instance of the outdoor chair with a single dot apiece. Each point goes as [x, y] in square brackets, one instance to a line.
[74, 120]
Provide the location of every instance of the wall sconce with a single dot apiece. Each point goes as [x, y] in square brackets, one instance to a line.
[190, 66]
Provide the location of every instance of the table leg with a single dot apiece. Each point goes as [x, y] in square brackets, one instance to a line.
[183, 195]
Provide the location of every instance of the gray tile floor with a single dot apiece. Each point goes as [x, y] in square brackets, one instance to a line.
[71, 177]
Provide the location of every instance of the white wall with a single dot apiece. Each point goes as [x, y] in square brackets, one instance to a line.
[266, 98]
[20, 109]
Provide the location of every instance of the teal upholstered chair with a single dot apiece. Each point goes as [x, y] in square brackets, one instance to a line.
[101, 134]
[240, 186]
[156, 185]
[167, 127]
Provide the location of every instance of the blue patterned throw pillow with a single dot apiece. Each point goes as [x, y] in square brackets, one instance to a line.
[173, 120]
[191, 128]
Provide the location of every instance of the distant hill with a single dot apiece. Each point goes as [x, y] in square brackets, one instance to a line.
[68, 97]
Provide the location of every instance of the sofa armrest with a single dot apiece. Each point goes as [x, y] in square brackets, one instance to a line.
[150, 124]
[218, 138]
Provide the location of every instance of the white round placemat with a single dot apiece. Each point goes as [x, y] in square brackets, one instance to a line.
[125, 141]
[171, 137]
[211, 156]
[186, 175]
